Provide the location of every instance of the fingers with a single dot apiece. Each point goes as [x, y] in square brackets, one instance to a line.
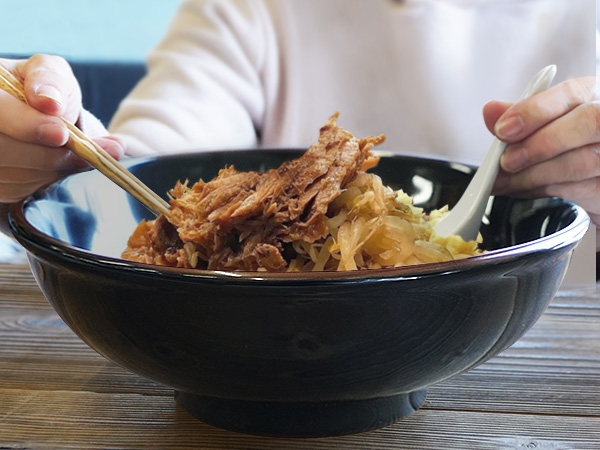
[51, 90]
[529, 115]
[554, 145]
[16, 154]
[572, 173]
[577, 128]
[26, 167]
[21, 155]
[492, 111]
[49, 83]
[33, 136]
[113, 145]
[24, 123]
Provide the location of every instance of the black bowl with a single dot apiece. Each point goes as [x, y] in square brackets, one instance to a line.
[294, 354]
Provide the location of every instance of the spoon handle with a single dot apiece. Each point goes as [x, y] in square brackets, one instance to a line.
[465, 217]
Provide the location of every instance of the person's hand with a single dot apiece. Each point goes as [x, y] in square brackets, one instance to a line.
[554, 144]
[32, 137]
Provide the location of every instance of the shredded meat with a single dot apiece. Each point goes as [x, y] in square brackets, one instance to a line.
[242, 220]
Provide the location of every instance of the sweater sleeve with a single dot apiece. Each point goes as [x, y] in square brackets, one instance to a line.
[204, 84]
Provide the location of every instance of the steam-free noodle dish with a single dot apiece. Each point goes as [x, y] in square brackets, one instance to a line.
[321, 211]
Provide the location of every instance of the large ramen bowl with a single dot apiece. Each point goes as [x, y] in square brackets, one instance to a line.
[293, 354]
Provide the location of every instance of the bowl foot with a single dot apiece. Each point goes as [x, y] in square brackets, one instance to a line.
[300, 419]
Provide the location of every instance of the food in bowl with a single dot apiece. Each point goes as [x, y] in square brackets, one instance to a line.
[294, 353]
[321, 211]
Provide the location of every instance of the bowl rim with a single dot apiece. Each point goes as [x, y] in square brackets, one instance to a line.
[30, 237]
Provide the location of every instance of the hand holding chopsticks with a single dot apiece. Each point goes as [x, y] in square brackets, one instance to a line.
[95, 155]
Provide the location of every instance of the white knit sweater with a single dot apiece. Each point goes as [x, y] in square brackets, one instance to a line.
[240, 73]
[237, 73]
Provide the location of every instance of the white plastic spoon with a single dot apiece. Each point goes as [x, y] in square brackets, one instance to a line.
[464, 219]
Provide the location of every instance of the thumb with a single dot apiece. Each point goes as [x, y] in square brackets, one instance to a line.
[49, 83]
[492, 111]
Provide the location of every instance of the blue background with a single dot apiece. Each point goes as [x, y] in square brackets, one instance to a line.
[82, 30]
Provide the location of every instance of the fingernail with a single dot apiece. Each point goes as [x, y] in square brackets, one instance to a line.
[52, 134]
[510, 127]
[50, 92]
[514, 159]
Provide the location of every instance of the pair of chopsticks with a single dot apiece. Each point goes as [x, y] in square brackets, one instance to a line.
[95, 155]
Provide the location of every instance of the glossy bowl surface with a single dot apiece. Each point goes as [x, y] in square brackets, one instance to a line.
[294, 354]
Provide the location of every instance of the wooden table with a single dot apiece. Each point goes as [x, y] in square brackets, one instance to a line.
[55, 392]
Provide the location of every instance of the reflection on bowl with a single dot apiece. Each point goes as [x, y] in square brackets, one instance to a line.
[293, 354]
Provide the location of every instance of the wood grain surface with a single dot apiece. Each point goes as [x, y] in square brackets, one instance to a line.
[55, 392]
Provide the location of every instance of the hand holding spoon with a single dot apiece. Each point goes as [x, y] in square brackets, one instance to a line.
[464, 219]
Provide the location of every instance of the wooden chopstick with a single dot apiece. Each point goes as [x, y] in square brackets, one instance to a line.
[95, 155]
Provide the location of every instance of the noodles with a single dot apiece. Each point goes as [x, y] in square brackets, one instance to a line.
[319, 212]
[371, 226]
